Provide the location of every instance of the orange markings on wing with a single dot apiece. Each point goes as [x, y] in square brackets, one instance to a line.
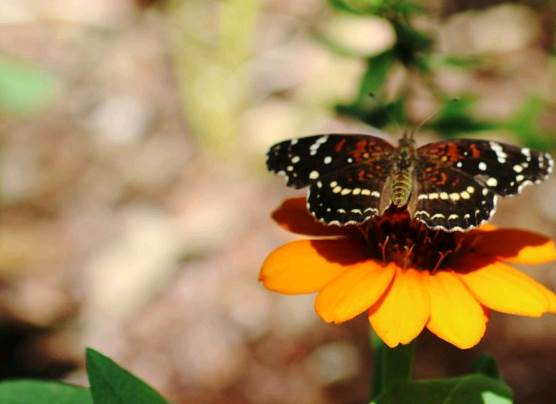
[475, 152]
[340, 145]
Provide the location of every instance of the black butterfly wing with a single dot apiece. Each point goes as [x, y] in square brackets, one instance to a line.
[346, 173]
[458, 180]
[449, 200]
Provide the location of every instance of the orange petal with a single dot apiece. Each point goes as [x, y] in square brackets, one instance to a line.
[550, 297]
[517, 246]
[306, 266]
[293, 216]
[455, 316]
[503, 288]
[401, 314]
[354, 291]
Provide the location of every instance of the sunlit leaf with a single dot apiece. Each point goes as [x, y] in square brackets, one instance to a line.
[111, 384]
[24, 88]
[39, 392]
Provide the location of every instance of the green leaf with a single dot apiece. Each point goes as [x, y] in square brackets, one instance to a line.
[375, 75]
[525, 125]
[455, 118]
[454, 61]
[24, 88]
[411, 45]
[374, 113]
[385, 8]
[486, 365]
[39, 392]
[111, 384]
[469, 389]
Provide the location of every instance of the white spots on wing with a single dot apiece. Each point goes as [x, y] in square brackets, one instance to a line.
[313, 175]
[467, 216]
[459, 164]
[327, 160]
[365, 192]
[527, 153]
[350, 160]
[289, 168]
[501, 156]
[346, 191]
[470, 189]
[296, 159]
[358, 211]
[518, 168]
[520, 178]
[333, 184]
[319, 184]
[465, 195]
[293, 142]
[444, 195]
[453, 216]
[482, 166]
[336, 189]
[492, 182]
[314, 148]
[340, 210]
[376, 194]
[356, 191]
[438, 216]
[485, 192]
[433, 195]
[422, 196]
[454, 196]
[282, 173]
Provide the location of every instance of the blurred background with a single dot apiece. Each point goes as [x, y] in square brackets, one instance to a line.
[134, 201]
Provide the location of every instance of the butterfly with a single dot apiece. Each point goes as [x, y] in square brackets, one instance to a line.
[451, 185]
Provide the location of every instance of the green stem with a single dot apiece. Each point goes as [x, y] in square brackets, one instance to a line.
[392, 365]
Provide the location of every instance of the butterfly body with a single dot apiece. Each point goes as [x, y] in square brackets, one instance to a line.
[402, 177]
[451, 185]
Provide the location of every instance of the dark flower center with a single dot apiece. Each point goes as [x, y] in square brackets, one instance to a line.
[395, 237]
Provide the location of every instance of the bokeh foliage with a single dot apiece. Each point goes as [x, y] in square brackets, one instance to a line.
[414, 51]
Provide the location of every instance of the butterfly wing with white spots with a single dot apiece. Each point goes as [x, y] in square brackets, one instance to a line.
[458, 180]
[346, 173]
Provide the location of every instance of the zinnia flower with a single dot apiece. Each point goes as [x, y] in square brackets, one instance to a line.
[409, 277]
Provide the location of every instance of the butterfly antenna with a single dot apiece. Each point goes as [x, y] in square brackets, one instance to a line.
[428, 118]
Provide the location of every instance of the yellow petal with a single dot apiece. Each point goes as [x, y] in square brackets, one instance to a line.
[401, 314]
[503, 288]
[354, 291]
[455, 316]
[306, 266]
[517, 246]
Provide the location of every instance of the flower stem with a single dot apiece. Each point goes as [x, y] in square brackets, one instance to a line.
[391, 364]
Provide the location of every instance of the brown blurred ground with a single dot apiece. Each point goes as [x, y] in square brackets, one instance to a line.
[135, 206]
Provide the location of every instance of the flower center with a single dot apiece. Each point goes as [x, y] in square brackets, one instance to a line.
[395, 237]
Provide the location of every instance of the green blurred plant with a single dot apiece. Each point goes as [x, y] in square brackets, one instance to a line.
[414, 51]
[24, 88]
[210, 43]
[109, 384]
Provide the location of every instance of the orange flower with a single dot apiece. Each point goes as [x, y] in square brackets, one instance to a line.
[409, 277]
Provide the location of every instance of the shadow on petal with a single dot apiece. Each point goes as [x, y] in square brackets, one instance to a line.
[517, 246]
[292, 215]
